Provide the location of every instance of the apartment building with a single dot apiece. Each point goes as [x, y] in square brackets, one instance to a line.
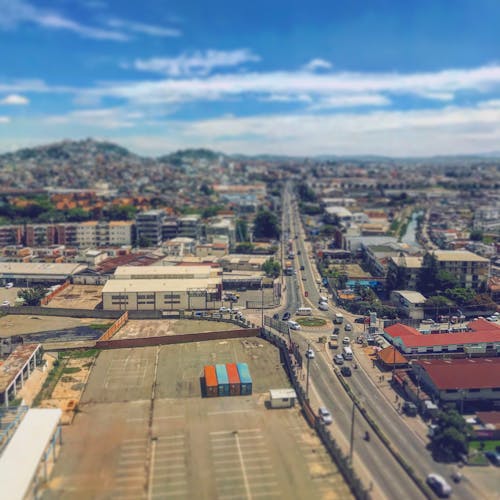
[149, 226]
[470, 269]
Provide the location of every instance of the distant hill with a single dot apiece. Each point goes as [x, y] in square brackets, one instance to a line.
[178, 157]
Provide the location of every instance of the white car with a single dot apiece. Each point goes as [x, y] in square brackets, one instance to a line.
[323, 306]
[325, 415]
[348, 327]
[5, 303]
[293, 325]
[439, 485]
[224, 309]
[310, 354]
[338, 359]
[9, 285]
[346, 341]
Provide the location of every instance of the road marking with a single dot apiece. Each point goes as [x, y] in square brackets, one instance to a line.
[228, 411]
[165, 417]
[172, 474]
[245, 479]
[177, 451]
[169, 467]
[175, 436]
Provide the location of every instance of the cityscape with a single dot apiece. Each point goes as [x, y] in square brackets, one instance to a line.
[249, 256]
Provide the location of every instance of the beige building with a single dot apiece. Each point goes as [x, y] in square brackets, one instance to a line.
[470, 269]
[163, 288]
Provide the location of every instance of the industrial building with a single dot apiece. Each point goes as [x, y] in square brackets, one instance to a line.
[163, 288]
[28, 274]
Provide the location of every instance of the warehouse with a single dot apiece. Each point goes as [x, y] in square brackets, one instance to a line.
[164, 288]
[39, 273]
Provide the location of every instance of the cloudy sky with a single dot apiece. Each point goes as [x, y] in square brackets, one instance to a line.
[295, 77]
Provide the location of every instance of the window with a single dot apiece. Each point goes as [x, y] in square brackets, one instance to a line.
[450, 391]
[474, 390]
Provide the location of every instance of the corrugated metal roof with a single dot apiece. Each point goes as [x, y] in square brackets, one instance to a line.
[21, 457]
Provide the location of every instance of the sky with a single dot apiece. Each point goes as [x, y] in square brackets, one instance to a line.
[385, 77]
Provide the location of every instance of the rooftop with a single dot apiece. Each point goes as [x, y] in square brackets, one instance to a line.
[29, 268]
[456, 374]
[458, 256]
[411, 296]
[15, 363]
[159, 285]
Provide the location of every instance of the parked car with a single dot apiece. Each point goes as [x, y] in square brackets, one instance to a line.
[439, 485]
[410, 409]
[493, 457]
[346, 371]
[325, 415]
[224, 309]
[338, 359]
[9, 285]
[310, 354]
[286, 316]
[5, 303]
[359, 320]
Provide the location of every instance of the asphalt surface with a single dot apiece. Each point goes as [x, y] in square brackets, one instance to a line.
[371, 457]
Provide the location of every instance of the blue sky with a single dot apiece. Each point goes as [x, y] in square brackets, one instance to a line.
[318, 77]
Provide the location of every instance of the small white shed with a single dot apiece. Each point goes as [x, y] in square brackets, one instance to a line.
[282, 398]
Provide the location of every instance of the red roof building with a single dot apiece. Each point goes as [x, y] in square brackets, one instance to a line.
[483, 337]
[463, 381]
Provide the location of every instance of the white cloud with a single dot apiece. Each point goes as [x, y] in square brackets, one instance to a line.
[14, 100]
[287, 98]
[107, 118]
[4, 119]
[145, 29]
[439, 85]
[351, 101]
[315, 64]
[196, 63]
[15, 12]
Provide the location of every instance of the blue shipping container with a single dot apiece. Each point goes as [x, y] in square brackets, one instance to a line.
[245, 379]
[222, 380]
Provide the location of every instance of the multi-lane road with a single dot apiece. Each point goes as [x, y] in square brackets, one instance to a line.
[373, 462]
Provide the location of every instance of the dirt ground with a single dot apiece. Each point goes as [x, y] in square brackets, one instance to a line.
[78, 297]
[159, 327]
[145, 431]
[22, 324]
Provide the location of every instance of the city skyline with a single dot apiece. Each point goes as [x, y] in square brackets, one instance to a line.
[288, 79]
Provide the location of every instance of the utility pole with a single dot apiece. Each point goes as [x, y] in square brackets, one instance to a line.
[351, 447]
[307, 379]
[262, 303]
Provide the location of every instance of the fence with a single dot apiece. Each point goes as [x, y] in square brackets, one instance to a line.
[176, 339]
[114, 327]
[45, 300]
[331, 445]
[257, 304]
[60, 311]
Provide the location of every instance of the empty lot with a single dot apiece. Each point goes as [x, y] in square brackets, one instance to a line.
[78, 297]
[144, 432]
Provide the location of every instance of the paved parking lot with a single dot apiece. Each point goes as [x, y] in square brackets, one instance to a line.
[144, 431]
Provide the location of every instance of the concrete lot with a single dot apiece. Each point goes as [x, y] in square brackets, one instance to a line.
[78, 297]
[156, 328]
[124, 443]
[9, 294]
[22, 324]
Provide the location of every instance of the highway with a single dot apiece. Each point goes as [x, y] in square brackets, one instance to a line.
[374, 463]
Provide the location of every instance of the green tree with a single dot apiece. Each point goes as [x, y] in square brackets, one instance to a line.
[242, 230]
[460, 296]
[32, 296]
[450, 440]
[272, 268]
[244, 247]
[427, 280]
[445, 280]
[438, 301]
[476, 235]
[306, 193]
[206, 189]
[266, 225]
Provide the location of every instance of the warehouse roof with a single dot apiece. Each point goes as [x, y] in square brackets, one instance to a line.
[159, 285]
[21, 457]
[163, 272]
[39, 268]
[474, 373]
[458, 256]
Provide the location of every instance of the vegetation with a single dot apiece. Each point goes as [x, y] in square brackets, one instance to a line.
[311, 321]
[450, 439]
[100, 326]
[272, 268]
[266, 225]
[50, 382]
[32, 296]
[245, 247]
[242, 230]
[306, 194]
[72, 369]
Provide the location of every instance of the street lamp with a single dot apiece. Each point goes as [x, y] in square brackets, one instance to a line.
[351, 445]
[262, 303]
[307, 379]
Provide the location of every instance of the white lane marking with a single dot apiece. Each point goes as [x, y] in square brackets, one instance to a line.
[245, 479]
[228, 411]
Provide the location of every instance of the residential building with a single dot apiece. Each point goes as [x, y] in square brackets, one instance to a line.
[470, 269]
[403, 271]
[409, 303]
[149, 227]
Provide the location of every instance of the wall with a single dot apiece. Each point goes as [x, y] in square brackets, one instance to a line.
[51, 295]
[114, 327]
[176, 339]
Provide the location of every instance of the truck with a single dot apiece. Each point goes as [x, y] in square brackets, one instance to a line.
[333, 343]
[339, 318]
[288, 268]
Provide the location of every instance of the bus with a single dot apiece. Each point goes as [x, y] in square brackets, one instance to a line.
[339, 318]
[304, 311]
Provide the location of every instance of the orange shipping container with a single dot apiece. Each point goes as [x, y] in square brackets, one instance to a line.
[234, 379]
[211, 385]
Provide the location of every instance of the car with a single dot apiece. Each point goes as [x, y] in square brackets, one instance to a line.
[276, 316]
[346, 341]
[346, 371]
[348, 327]
[359, 320]
[293, 325]
[301, 268]
[323, 306]
[493, 457]
[439, 485]
[336, 330]
[338, 359]
[427, 321]
[224, 309]
[304, 278]
[410, 409]
[9, 285]
[325, 415]
[286, 316]
[310, 354]
[5, 303]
